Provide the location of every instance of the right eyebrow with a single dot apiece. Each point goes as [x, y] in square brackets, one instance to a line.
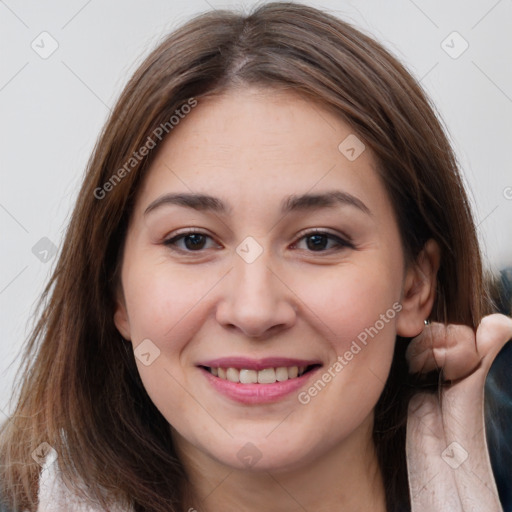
[194, 201]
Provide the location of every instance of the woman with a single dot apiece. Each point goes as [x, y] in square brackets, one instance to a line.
[200, 349]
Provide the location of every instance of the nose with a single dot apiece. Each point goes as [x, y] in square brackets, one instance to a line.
[256, 299]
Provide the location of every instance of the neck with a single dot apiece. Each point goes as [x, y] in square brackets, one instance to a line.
[347, 478]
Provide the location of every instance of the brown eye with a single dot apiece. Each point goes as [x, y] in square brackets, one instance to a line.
[318, 241]
[192, 241]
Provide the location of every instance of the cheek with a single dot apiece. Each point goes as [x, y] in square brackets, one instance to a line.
[350, 299]
[356, 310]
[161, 299]
[359, 323]
[163, 306]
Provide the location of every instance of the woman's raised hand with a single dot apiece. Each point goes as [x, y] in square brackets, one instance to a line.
[447, 458]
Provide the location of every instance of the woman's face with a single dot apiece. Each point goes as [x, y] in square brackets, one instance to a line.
[259, 243]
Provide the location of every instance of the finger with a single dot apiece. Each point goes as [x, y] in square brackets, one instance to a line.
[451, 348]
[492, 334]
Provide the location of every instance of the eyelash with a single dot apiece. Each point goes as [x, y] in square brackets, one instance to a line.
[341, 243]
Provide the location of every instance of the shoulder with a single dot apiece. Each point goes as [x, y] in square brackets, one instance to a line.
[54, 495]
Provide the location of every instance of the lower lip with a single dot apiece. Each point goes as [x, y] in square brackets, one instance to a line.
[257, 393]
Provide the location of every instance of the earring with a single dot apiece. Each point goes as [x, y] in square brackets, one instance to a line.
[427, 321]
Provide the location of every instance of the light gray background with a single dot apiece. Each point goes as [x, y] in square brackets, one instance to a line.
[52, 110]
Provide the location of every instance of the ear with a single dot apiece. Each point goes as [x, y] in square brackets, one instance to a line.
[121, 317]
[419, 291]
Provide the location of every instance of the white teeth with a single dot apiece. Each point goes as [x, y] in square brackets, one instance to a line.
[248, 376]
[265, 376]
[233, 375]
[281, 373]
[293, 371]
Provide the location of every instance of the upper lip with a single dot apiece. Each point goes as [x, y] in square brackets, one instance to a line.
[257, 364]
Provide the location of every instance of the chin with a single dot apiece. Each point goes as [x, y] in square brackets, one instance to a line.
[255, 456]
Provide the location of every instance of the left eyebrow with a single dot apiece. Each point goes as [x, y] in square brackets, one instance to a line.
[293, 203]
[325, 200]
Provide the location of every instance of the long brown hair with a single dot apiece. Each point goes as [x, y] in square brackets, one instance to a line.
[79, 389]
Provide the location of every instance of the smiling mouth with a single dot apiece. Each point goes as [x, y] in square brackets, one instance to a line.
[264, 376]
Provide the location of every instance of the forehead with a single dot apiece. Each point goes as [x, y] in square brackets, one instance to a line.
[259, 145]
